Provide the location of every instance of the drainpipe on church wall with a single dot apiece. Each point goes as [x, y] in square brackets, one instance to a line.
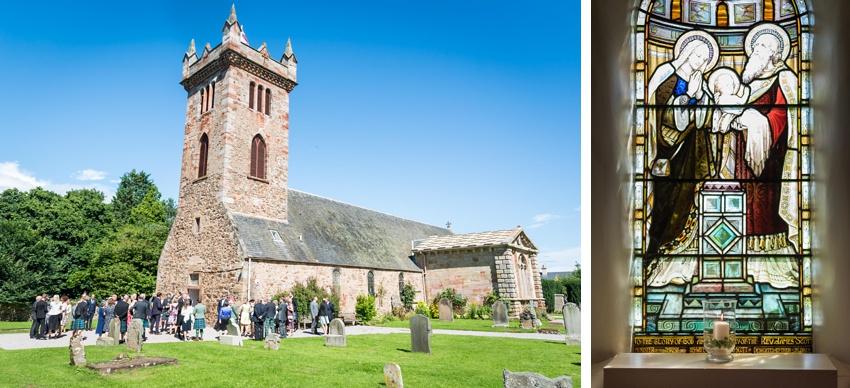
[249, 278]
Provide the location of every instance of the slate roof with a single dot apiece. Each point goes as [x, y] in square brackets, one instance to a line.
[325, 231]
[470, 240]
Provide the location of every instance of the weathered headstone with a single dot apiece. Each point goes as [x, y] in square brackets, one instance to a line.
[392, 375]
[446, 312]
[500, 314]
[232, 338]
[336, 334]
[559, 302]
[572, 319]
[420, 334]
[105, 341]
[534, 319]
[134, 335]
[529, 379]
[78, 352]
[526, 319]
[115, 330]
[272, 341]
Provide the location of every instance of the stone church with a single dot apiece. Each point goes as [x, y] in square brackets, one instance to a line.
[241, 230]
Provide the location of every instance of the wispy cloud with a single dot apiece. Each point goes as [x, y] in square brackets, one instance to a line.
[542, 219]
[89, 175]
[560, 260]
[12, 176]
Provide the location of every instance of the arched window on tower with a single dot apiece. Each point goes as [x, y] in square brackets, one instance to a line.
[260, 98]
[212, 95]
[370, 280]
[400, 283]
[251, 88]
[203, 99]
[203, 146]
[268, 101]
[258, 158]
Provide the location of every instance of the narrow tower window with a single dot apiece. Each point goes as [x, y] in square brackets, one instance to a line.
[370, 278]
[212, 95]
[268, 101]
[203, 97]
[260, 98]
[400, 284]
[251, 95]
[202, 159]
[258, 157]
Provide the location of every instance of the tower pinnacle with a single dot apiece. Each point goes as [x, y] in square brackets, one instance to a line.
[232, 18]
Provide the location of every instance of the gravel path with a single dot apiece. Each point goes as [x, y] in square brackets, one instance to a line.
[22, 340]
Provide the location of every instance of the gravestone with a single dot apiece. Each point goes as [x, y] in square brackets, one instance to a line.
[526, 319]
[572, 319]
[500, 314]
[392, 375]
[529, 379]
[105, 341]
[115, 330]
[446, 313]
[534, 320]
[272, 342]
[134, 335]
[336, 334]
[232, 338]
[559, 302]
[78, 352]
[420, 334]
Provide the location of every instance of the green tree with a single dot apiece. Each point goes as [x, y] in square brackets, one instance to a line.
[170, 206]
[131, 192]
[408, 294]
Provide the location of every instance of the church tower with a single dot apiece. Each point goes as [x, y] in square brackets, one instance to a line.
[235, 160]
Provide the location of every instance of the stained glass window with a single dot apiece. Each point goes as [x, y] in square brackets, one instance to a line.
[722, 171]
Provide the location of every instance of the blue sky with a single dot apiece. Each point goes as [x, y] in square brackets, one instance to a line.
[466, 112]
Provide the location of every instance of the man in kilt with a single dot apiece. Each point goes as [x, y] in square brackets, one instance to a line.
[200, 324]
[121, 310]
[142, 310]
[80, 315]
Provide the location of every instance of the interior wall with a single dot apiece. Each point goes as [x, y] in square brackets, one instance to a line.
[610, 331]
[831, 262]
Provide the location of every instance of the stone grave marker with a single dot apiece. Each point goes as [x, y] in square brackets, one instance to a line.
[232, 338]
[336, 334]
[526, 319]
[272, 341]
[134, 335]
[105, 341]
[78, 352]
[500, 314]
[420, 334]
[115, 330]
[446, 313]
[534, 320]
[572, 319]
[392, 375]
[530, 379]
[559, 302]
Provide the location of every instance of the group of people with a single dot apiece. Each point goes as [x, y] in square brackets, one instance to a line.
[174, 314]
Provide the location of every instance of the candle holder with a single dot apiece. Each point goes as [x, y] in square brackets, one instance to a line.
[718, 329]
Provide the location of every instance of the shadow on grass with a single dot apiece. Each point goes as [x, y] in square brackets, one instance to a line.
[404, 350]
[576, 363]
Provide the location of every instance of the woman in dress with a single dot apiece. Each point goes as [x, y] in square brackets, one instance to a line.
[173, 310]
[108, 314]
[66, 312]
[101, 319]
[54, 317]
[245, 319]
[185, 320]
[290, 316]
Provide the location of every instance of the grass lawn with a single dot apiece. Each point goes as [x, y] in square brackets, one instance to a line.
[457, 361]
[24, 327]
[474, 325]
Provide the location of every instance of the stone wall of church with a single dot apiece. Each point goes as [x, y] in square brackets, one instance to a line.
[472, 272]
[270, 277]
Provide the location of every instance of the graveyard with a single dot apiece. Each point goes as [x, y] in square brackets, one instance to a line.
[455, 360]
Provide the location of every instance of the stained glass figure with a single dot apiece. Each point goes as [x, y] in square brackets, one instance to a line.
[723, 173]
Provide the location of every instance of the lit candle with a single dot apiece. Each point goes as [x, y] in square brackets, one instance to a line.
[721, 330]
